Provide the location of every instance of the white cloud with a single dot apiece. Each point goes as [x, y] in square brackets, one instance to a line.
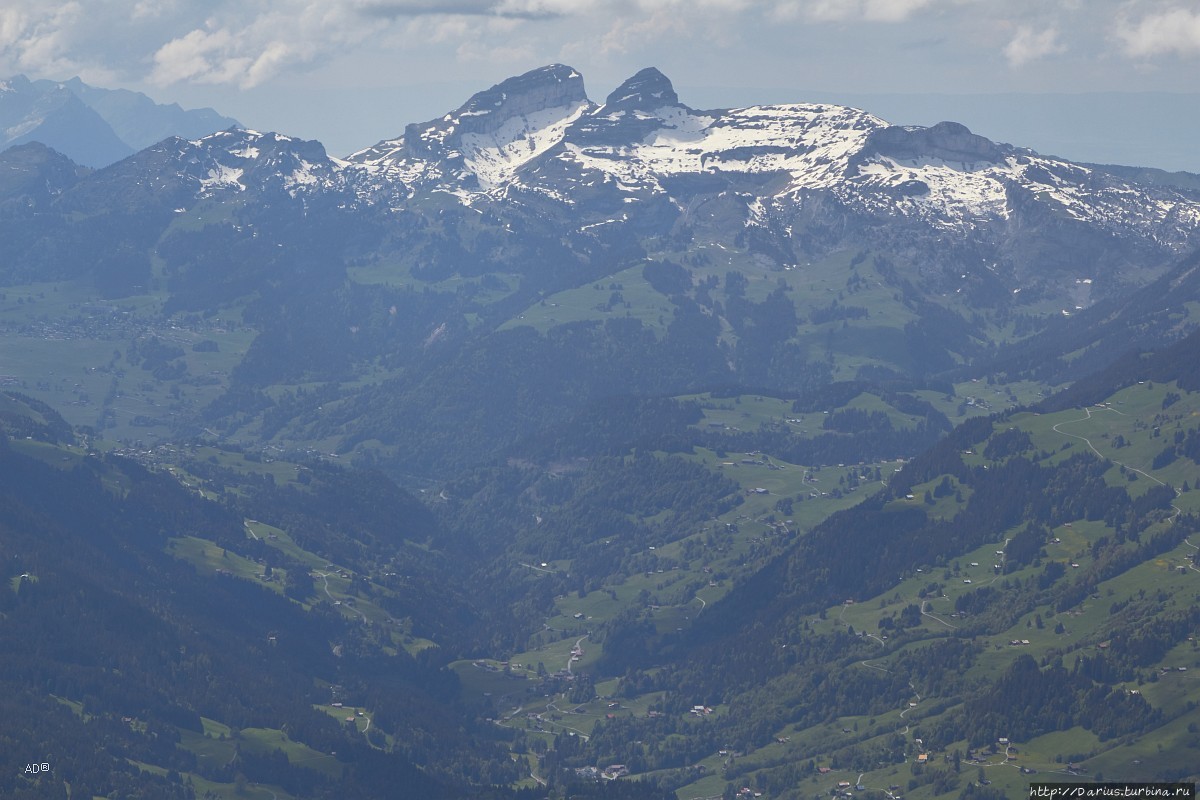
[1173, 31]
[249, 47]
[515, 9]
[39, 39]
[235, 43]
[631, 33]
[473, 39]
[1032, 45]
[144, 9]
[708, 6]
[12, 26]
[193, 56]
[272, 58]
[85, 37]
[848, 10]
[247, 44]
[893, 10]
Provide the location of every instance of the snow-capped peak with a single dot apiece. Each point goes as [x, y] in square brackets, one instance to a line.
[238, 159]
[647, 90]
[538, 133]
[485, 140]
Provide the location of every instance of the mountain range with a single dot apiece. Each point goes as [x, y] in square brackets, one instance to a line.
[93, 126]
[539, 134]
[799, 180]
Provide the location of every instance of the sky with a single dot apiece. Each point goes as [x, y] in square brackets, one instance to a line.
[1100, 80]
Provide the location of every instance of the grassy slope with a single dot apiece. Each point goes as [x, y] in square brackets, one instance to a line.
[677, 594]
[90, 340]
[1132, 414]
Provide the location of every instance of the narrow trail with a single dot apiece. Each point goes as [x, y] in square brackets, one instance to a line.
[366, 728]
[570, 658]
[925, 613]
[1194, 547]
[325, 577]
[1003, 555]
[1088, 415]
[917, 695]
[576, 731]
[1088, 442]
[553, 707]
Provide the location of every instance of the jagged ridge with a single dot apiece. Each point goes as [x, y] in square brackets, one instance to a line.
[538, 133]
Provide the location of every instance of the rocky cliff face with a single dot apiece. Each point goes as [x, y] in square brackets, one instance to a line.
[647, 90]
[946, 141]
[509, 119]
[555, 86]
[487, 112]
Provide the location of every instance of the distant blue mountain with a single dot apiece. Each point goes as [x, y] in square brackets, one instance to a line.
[95, 127]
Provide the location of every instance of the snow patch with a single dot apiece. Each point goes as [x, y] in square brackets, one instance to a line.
[221, 176]
[494, 158]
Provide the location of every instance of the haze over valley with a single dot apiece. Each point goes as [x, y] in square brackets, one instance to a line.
[575, 446]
